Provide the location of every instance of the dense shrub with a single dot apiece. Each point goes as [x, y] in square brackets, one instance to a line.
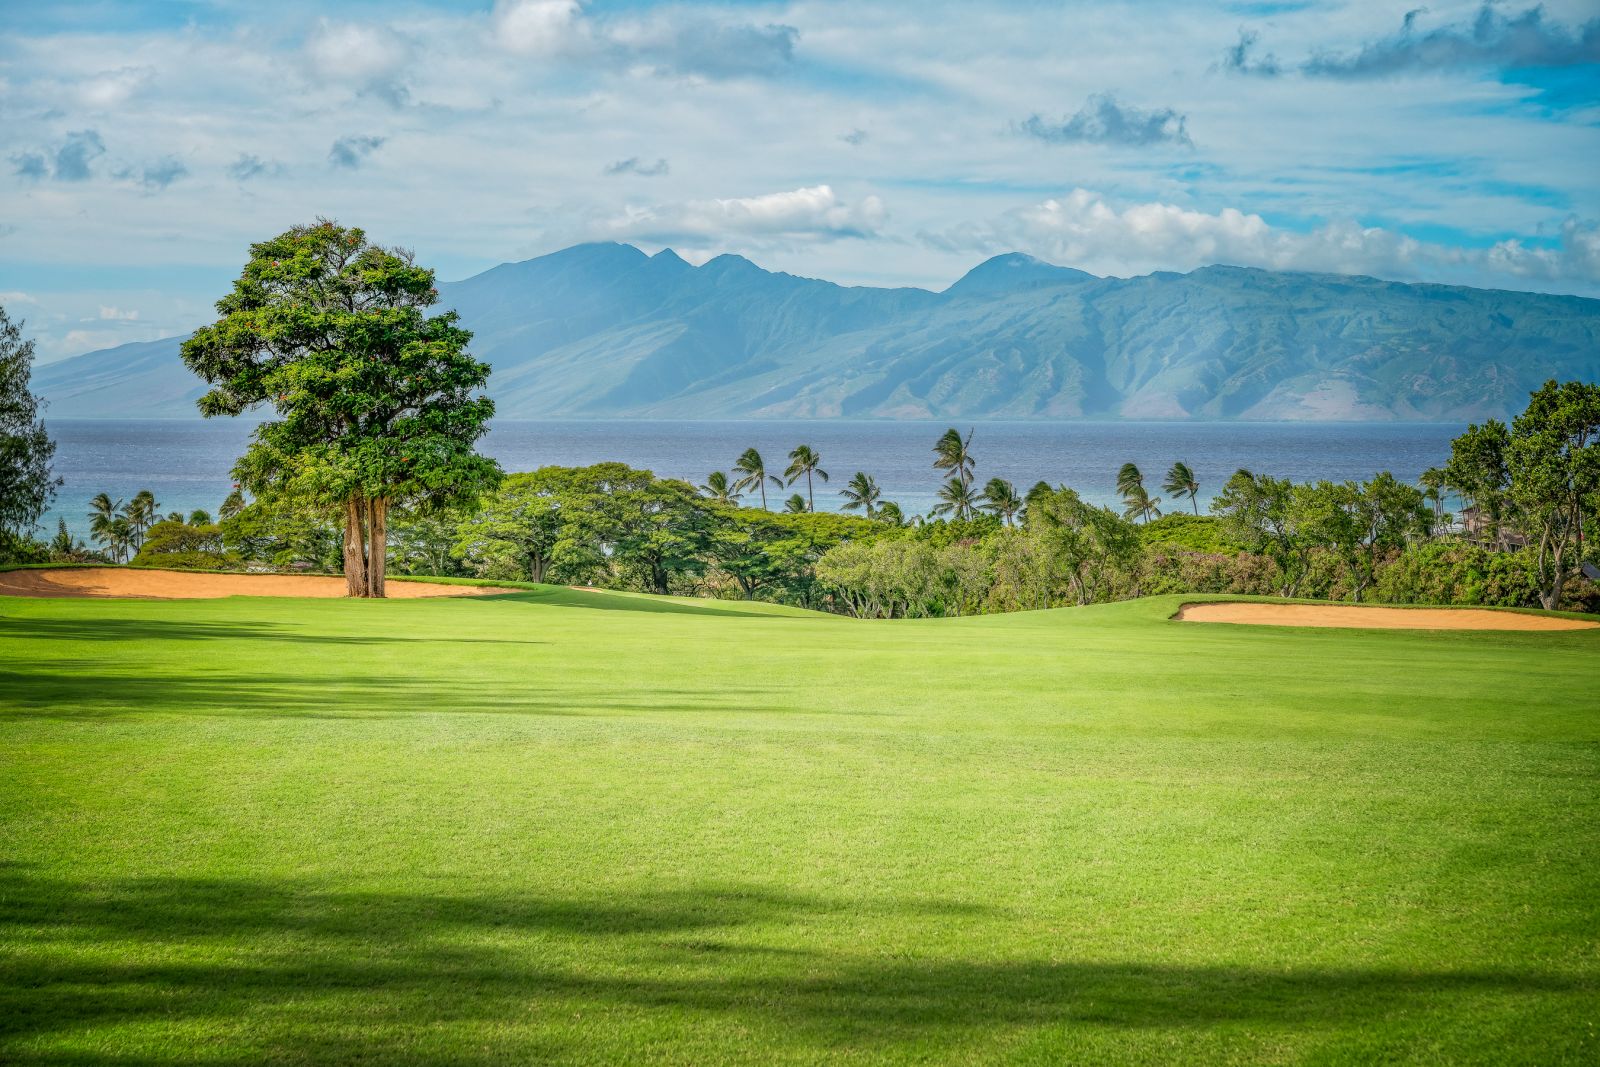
[1193, 533]
[1457, 572]
[1174, 570]
[16, 549]
[182, 546]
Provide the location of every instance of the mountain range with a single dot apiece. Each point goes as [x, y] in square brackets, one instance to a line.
[605, 330]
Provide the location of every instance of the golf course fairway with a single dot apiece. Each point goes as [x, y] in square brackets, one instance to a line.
[583, 827]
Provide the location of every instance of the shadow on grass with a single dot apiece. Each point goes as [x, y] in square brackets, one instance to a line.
[121, 629]
[610, 600]
[76, 690]
[228, 970]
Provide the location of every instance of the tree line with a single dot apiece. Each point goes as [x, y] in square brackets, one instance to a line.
[369, 462]
[610, 525]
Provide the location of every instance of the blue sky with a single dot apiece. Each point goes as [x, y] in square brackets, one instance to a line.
[144, 146]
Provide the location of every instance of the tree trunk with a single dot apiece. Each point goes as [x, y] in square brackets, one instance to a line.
[377, 544]
[1552, 601]
[355, 543]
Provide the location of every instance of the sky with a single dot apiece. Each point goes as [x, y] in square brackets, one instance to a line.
[144, 146]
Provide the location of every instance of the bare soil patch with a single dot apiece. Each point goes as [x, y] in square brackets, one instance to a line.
[1353, 616]
[186, 585]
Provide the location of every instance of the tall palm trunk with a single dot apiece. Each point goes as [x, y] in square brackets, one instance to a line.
[811, 502]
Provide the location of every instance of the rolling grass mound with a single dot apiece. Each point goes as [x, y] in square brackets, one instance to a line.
[589, 827]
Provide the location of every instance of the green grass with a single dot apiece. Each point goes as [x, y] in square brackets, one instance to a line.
[610, 828]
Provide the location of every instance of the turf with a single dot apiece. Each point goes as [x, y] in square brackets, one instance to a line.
[601, 828]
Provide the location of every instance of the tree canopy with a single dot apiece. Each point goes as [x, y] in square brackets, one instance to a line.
[378, 404]
[26, 484]
[1552, 459]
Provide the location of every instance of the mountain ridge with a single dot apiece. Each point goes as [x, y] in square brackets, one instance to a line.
[607, 330]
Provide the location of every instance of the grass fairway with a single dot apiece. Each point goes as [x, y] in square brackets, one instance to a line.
[599, 828]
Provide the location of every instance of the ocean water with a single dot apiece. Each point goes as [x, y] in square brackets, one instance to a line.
[186, 463]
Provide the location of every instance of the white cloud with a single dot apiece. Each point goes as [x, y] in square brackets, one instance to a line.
[372, 59]
[538, 27]
[357, 54]
[809, 214]
[1577, 256]
[113, 88]
[679, 40]
[1084, 229]
[513, 113]
[116, 314]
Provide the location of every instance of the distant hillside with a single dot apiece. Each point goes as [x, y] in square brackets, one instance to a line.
[604, 330]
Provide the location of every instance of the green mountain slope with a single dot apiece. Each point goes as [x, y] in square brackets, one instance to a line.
[605, 330]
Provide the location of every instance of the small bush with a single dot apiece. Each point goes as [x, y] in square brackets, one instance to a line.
[1194, 533]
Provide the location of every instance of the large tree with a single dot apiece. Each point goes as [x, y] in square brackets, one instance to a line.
[1087, 545]
[526, 525]
[1553, 460]
[1259, 512]
[1361, 523]
[378, 403]
[26, 485]
[1477, 472]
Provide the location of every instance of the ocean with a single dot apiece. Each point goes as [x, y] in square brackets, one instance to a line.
[186, 463]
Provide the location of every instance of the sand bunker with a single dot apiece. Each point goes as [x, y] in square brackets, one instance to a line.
[184, 585]
[1350, 616]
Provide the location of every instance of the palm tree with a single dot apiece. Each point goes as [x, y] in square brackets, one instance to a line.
[804, 460]
[1000, 497]
[890, 512]
[754, 469]
[141, 512]
[119, 537]
[1129, 479]
[102, 513]
[718, 489]
[953, 454]
[1433, 483]
[199, 517]
[233, 505]
[795, 505]
[956, 498]
[861, 492]
[1181, 481]
[1141, 504]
